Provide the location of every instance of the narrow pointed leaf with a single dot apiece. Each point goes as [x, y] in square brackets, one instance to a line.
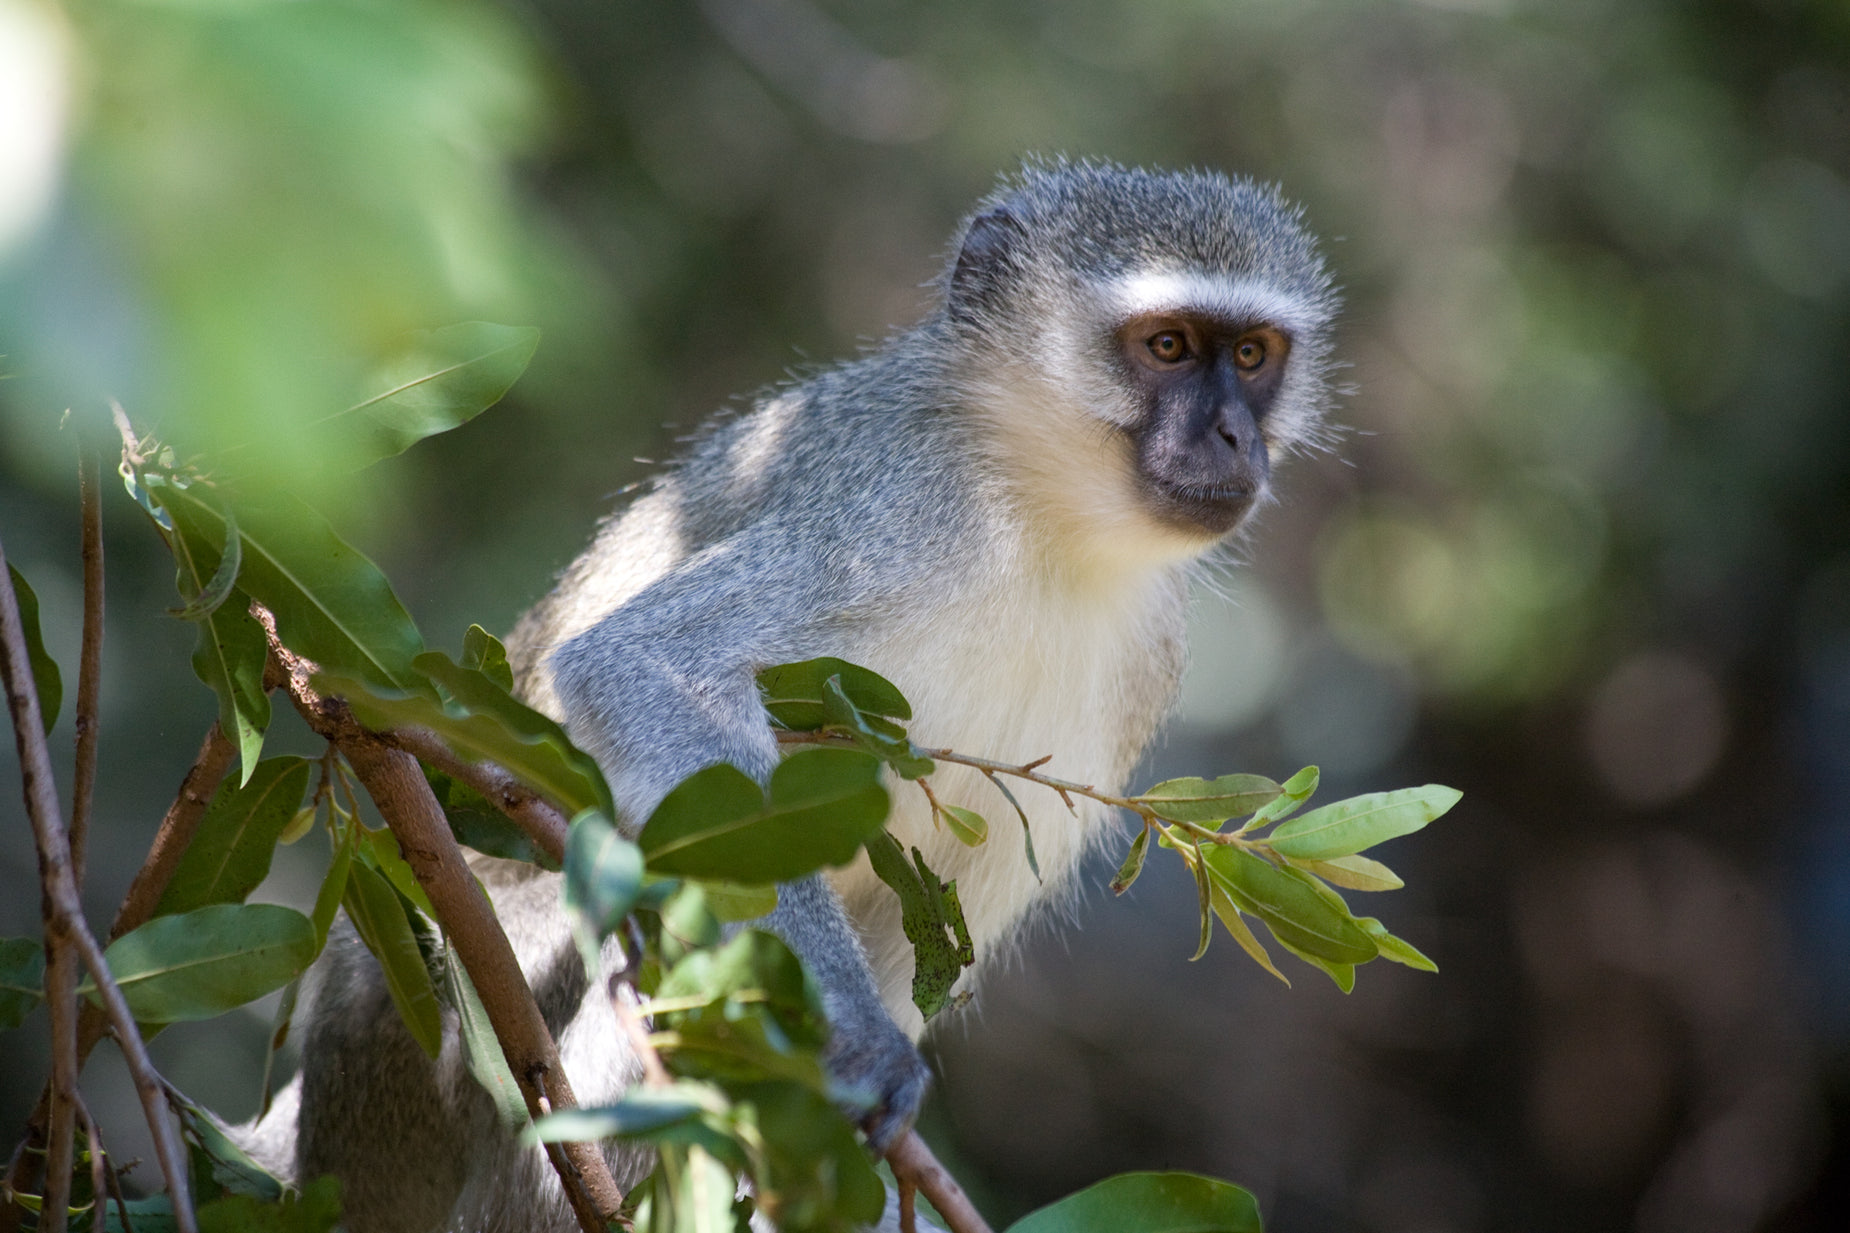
[1204, 894]
[230, 854]
[1291, 908]
[46, 678]
[334, 885]
[822, 805]
[442, 379]
[1242, 933]
[1149, 1203]
[1361, 822]
[1343, 974]
[482, 1049]
[280, 1023]
[22, 979]
[792, 693]
[378, 916]
[203, 963]
[1353, 873]
[300, 825]
[1133, 862]
[204, 586]
[384, 855]
[1027, 835]
[883, 738]
[1397, 950]
[1206, 801]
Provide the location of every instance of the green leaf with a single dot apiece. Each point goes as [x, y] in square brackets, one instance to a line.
[331, 604]
[205, 586]
[940, 948]
[230, 854]
[1396, 950]
[1206, 801]
[1353, 873]
[1133, 862]
[642, 1113]
[280, 1024]
[732, 902]
[1291, 794]
[334, 883]
[1342, 973]
[823, 804]
[966, 824]
[538, 754]
[315, 1208]
[1291, 906]
[1361, 822]
[483, 653]
[482, 1049]
[882, 738]
[230, 1169]
[299, 825]
[378, 916]
[603, 875]
[383, 854]
[1241, 932]
[45, 676]
[229, 657]
[1027, 834]
[1149, 1203]
[476, 823]
[743, 1012]
[816, 1175]
[792, 693]
[442, 379]
[205, 962]
[22, 979]
[1204, 896]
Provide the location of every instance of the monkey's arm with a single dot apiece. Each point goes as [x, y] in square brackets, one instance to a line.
[665, 685]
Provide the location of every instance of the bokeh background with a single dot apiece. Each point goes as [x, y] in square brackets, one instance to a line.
[1583, 552]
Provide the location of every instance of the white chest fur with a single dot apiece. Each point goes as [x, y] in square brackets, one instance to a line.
[1035, 670]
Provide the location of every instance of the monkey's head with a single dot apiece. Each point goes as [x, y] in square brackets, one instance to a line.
[1143, 345]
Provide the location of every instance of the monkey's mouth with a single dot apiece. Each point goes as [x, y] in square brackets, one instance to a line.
[1215, 509]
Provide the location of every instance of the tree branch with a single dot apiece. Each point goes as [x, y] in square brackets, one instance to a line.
[404, 799]
[90, 660]
[527, 809]
[65, 930]
[914, 1165]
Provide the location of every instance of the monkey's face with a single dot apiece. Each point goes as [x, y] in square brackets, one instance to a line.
[1205, 384]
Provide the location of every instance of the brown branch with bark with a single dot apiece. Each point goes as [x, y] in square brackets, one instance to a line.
[68, 940]
[398, 787]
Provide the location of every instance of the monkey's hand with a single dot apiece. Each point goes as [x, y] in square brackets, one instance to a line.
[867, 1053]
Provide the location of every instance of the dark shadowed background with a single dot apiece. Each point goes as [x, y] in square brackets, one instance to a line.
[1584, 551]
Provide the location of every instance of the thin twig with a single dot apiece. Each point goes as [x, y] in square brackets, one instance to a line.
[65, 926]
[527, 809]
[914, 1165]
[623, 1001]
[90, 661]
[398, 787]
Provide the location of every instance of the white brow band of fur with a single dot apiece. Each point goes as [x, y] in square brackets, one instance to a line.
[1230, 299]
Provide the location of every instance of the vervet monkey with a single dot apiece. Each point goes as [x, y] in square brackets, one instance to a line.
[999, 510]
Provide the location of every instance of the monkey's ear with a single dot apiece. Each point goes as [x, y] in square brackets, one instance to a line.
[988, 251]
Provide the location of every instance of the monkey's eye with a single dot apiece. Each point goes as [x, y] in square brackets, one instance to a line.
[1170, 346]
[1249, 355]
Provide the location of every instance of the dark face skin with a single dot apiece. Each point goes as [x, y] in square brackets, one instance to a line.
[1207, 384]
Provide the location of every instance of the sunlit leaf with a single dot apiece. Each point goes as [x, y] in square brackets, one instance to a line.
[822, 805]
[1353, 873]
[1361, 822]
[731, 901]
[883, 738]
[483, 652]
[1291, 794]
[641, 1113]
[46, 678]
[378, 916]
[383, 854]
[298, 826]
[1292, 909]
[22, 979]
[230, 854]
[1397, 950]
[1149, 1203]
[1242, 933]
[940, 948]
[443, 378]
[1206, 801]
[203, 963]
[966, 824]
